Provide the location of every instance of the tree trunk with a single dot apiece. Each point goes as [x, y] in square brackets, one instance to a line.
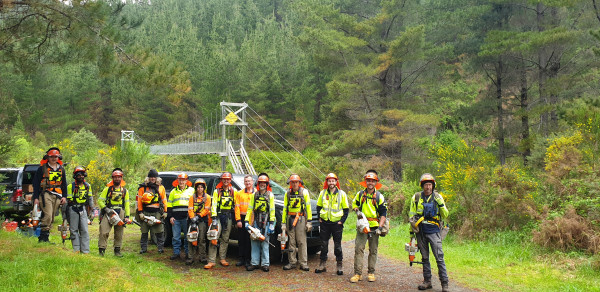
[544, 116]
[524, 104]
[501, 150]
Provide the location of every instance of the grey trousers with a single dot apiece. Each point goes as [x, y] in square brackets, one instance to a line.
[78, 225]
[359, 251]
[435, 241]
[223, 243]
[297, 236]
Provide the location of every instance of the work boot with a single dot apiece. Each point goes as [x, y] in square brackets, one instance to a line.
[174, 257]
[118, 252]
[209, 266]
[445, 287]
[189, 261]
[240, 263]
[355, 278]
[289, 267]
[44, 236]
[224, 263]
[371, 277]
[425, 285]
[265, 268]
[305, 268]
[340, 271]
[322, 267]
[143, 251]
[101, 251]
[250, 268]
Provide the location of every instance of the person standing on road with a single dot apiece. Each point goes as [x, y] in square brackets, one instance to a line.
[429, 208]
[242, 198]
[295, 220]
[152, 207]
[177, 209]
[261, 215]
[199, 210]
[113, 199]
[222, 209]
[79, 202]
[49, 185]
[332, 207]
[370, 204]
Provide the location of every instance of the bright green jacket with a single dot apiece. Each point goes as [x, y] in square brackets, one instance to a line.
[118, 197]
[332, 205]
[370, 206]
[260, 205]
[292, 203]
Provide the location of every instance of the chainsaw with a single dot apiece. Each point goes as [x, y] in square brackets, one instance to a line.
[36, 213]
[192, 234]
[412, 250]
[213, 233]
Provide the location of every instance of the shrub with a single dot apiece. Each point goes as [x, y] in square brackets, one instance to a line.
[568, 232]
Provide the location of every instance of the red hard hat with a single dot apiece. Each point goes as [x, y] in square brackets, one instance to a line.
[53, 152]
[79, 169]
[427, 177]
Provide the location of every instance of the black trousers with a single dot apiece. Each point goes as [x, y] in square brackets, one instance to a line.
[328, 230]
[243, 243]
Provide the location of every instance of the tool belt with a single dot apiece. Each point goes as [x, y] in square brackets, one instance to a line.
[373, 219]
[296, 213]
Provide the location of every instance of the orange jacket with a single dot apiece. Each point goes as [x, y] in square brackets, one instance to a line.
[204, 212]
[242, 200]
[162, 196]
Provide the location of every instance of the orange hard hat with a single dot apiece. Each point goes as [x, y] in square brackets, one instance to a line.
[53, 152]
[117, 172]
[182, 176]
[371, 174]
[79, 169]
[294, 177]
[226, 175]
[331, 175]
[263, 178]
[427, 177]
[147, 198]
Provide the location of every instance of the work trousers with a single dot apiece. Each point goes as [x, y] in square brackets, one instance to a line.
[78, 225]
[260, 252]
[297, 237]
[327, 230]
[105, 230]
[49, 205]
[157, 229]
[435, 241]
[223, 242]
[198, 252]
[180, 226]
[243, 242]
[359, 252]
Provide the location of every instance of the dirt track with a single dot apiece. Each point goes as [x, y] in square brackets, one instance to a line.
[392, 275]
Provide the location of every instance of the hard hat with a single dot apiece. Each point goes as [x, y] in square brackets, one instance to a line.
[371, 174]
[182, 175]
[331, 175]
[53, 152]
[117, 172]
[147, 198]
[200, 181]
[226, 175]
[294, 177]
[263, 177]
[427, 177]
[79, 169]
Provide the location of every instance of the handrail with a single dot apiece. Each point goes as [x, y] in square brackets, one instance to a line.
[246, 161]
[235, 162]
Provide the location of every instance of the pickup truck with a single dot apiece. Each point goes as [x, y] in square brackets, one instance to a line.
[212, 179]
[18, 190]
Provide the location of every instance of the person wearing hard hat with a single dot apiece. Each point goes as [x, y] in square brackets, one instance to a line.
[295, 220]
[332, 207]
[222, 209]
[114, 199]
[242, 198]
[261, 215]
[199, 210]
[49, 187]
[177, 210]
[371, 204]
[151, 208]
[79, 202]
[429, 209]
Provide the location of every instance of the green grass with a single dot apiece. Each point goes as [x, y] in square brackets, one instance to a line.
[26, 265]
[508, 261]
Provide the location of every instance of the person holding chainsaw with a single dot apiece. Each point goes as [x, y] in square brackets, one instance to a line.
[49, 185]
[332, 207]
[152, 210]
[261, 216]
[369, 204]
[242, 198]
[177, 209]
[114, 205]
[427, 210]
[295, 220]
[199, 214]
[222, 212]
[79, 204]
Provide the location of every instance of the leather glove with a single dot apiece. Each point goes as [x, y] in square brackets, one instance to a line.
[164, 216]
[142, 217]
[271, 229]
[309, 227]
[283, 227]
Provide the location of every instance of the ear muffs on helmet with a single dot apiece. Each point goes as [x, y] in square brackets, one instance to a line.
[53, 151]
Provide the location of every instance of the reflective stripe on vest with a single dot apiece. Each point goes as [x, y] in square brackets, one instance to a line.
[226, 200]
[328, 212]
[79, 195]
[52, 179]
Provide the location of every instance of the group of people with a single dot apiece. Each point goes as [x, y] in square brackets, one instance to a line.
[251, 210]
